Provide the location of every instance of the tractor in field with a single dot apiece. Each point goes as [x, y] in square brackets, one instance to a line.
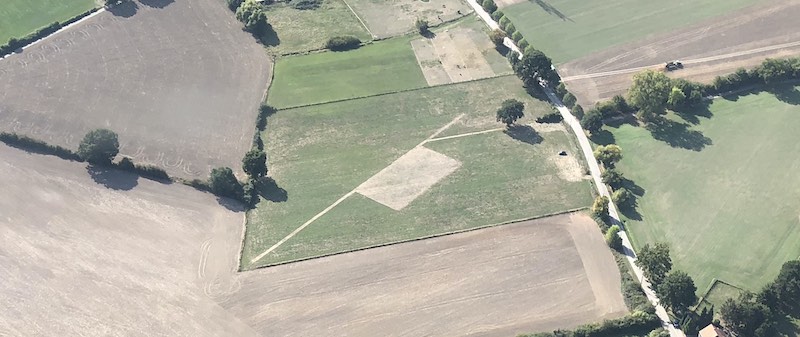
[673, 65]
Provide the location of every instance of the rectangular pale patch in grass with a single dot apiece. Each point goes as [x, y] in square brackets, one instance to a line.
[381, 67]
[408, 177]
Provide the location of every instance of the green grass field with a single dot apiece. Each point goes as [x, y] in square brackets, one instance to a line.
[304, 30]
[729, 209]
[569, 29]
[382, 67]
[318, 154]
[22, 17]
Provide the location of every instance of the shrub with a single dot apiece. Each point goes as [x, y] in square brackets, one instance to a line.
[608, 154]
[152, 172]
[489, 6]
[126, 164]
[517, 36]
[510, 29]
[612, 178]
[306, 4]
[497, 15]
[250, 193]
[523, 44]
[600, 207]
[504, 22]
[613, 239]
[622, 197]
[341, 43]
[497, 36]
[99, 146]
[37, 146]
[592, 121]
[423, 27]
[578, 111]
[233, 4]
[569, 100]
[264, 111]
[560, 90]
[223, 183]
[552, 117]
[252, 15]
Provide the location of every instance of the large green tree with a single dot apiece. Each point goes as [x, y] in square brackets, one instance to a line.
[608, 154]
[253, 16]
[99, 146]
[224, 183]
[510, 111]
[747, 317]
[655, 262]
[787, 287]
[254, 163]
[535, 64]
[649, 92]
[677, 291]
[592, 121]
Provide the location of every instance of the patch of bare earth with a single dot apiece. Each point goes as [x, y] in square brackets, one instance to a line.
[179, 81]
[719, 46]
[408, 177]
[104, 253]
[387, 18]
[453, 55]
[539, 275]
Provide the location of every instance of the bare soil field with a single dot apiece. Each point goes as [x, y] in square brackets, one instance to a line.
[87, 252]
[387, 18]
[539, 275]
[178, 80]
[110, 256]
[742, 39]
[454, 55]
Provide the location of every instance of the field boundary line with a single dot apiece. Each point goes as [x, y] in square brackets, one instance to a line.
[392, 92]
[426, 237]
[359, 19]
[92, 13]
[347, 195]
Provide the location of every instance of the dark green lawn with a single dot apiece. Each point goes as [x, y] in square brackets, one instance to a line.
[22, 17]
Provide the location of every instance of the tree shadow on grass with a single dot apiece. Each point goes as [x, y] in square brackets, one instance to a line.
[268, 189]
[786, 93]
[125, 9]
[678, 134]
[691, 114]
[269, 37]
[630, 185]
[156, 3]
[552, 10]
[523, 133]
[629, 210]
[112, 179]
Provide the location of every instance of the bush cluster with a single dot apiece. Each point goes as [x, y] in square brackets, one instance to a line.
[489, 6]
[143, 170]
[38, 146]
[306, 4]
[769, 72]
[637, 323]
[342, 43]
[552, 117]
[17, 43]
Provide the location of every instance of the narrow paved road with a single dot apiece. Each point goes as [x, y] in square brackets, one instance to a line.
[586, 148]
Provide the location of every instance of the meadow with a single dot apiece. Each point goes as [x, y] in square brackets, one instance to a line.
[381, 67]
[566, 29]
[22, 17]
[303, 30]
[721, 191]
[319, 153]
